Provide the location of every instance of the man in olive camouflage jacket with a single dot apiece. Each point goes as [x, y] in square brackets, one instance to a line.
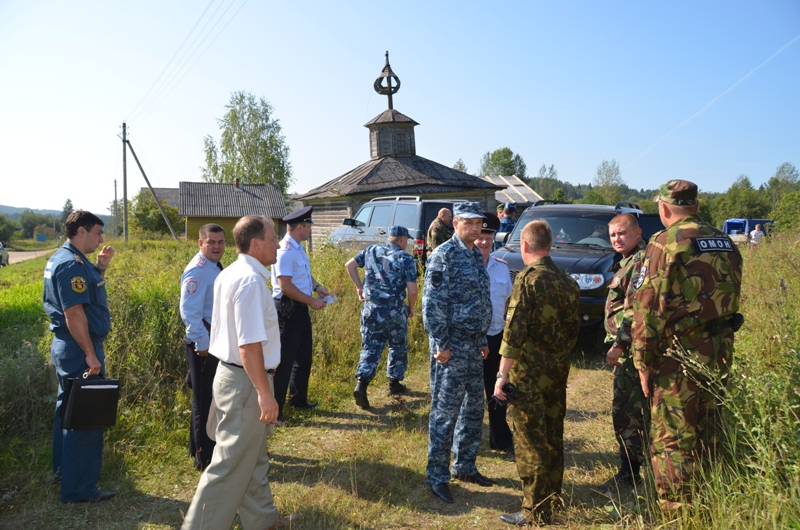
[684, 318]
[543, 325]
[440, 230]
[629, 408]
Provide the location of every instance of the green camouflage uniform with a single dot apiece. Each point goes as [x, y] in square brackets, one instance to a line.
[629, 408]
[543, 325]
[438, 233]
[687, 294]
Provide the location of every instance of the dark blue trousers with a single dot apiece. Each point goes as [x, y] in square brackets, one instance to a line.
[77, 455]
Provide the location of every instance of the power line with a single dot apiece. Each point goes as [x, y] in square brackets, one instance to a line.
[198, 57]
[171, 59]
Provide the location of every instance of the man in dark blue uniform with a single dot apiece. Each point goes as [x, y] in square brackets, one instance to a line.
[75, 300]
[507, 222]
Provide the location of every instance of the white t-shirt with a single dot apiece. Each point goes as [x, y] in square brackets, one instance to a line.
[244, 313]
[756, 235]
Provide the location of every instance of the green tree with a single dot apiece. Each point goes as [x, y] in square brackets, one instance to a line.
[460, 166]
[740, 201]
[559, 195]
[787, 212]
[608, 183]
[785, 180]
[252, 147]
[503, 162]
[7, 229]
[592, 197]
[146, 217]
[47, 230]
[29, 220]
[65, 211]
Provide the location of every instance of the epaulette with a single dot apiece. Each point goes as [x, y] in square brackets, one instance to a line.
[500, 260]
[78, 258]
[201, 261]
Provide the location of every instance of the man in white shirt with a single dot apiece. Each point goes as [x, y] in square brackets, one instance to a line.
[756, 235]
[246, 340]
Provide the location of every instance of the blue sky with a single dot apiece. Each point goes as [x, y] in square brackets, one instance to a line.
[563, 83]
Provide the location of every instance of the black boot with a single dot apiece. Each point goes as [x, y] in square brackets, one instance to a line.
[636, 477]
[396, 387]
[360, 393]
[624, 477]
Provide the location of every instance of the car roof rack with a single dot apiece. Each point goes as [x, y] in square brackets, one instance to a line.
[626, 204]
[547, 201]
[398, 198]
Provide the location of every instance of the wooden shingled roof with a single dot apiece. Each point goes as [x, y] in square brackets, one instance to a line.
[514, 190]
[207, 199]
[403, 174]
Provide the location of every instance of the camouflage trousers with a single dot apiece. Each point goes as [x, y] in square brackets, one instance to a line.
[380, 324]
[537, 415]
[456, 418]
[630, 413]
[685, 421]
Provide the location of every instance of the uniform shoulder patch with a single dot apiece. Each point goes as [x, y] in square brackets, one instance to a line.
[191, 286]
[78, 259]
[713, 244]
[78, 284]
[638, 280]
[500, 260]
[201, 261]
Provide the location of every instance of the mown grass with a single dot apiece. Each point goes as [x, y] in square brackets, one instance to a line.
[347, 468]
[29, 245]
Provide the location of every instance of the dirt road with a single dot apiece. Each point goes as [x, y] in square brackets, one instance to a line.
[16, 257]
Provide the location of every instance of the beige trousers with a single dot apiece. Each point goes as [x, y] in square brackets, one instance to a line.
[236, 478]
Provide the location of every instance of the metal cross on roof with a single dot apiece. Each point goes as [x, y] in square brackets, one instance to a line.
[387, 90]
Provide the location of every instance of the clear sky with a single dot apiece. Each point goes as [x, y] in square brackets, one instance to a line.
[699, 90]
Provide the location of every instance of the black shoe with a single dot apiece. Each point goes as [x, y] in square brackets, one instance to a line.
[360, 394]
[100, 496]
[396, 387]
[514, 518]
[306, 405]
[624, 477]
[442, 492]
[476, 478]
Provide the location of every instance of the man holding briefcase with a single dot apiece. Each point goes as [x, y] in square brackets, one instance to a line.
[75, 300]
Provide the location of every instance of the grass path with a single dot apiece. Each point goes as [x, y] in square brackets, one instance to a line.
[343, 468]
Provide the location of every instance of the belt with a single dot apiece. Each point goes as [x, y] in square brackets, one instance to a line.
[234, 365]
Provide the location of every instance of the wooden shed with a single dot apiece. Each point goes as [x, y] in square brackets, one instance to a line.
[394, 168]
[225, 204]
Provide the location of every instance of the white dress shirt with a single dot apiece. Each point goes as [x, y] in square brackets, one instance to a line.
[244, 313]
[500, 290]
[293, 262]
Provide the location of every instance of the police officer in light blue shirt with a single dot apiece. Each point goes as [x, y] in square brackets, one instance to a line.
[457, 312]
[293, 287]
[75, 300]
[197, 301]
[500, 437]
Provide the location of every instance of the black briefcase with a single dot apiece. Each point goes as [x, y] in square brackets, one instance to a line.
[90, 403]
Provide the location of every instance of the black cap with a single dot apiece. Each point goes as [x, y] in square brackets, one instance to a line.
[491, 223]
[303, 215]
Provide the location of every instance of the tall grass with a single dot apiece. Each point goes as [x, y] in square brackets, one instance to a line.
[754, 485]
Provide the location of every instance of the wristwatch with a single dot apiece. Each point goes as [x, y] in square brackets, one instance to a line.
[501, 375]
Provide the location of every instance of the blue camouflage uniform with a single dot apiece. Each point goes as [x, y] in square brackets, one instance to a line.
[384, 315]
[457, 312]
[507, 224]
[70, 279]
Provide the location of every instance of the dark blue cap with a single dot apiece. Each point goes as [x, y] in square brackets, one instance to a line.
[510, 206]
[398, 231]
[303, 215]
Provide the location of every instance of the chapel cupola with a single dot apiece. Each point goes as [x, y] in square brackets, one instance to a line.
[390, 133]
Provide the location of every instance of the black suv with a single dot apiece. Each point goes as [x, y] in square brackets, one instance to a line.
[581, 247]
[372, 221]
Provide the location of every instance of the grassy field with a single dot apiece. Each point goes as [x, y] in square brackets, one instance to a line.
[27, 245]
[342, 467]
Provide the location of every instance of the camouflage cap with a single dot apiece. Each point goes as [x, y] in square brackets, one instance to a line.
[398, 231]
[467, 210]
[677, 192]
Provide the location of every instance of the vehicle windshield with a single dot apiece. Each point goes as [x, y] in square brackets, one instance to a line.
[571, 228]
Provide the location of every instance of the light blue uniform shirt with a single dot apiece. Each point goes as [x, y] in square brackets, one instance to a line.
[292, 261]
[500, 288]
[197, 298]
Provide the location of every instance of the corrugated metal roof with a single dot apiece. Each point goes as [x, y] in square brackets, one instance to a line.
[206, 199]
[390, 174]
[171, 195]
[515, 190]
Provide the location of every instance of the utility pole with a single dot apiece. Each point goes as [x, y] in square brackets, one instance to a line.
[155, 197]
[124, 181]
[116, 210]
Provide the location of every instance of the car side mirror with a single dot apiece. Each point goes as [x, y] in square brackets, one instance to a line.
[501, 237]
[349, 222]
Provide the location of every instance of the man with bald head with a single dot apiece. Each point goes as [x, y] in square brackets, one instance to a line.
[440, 230]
